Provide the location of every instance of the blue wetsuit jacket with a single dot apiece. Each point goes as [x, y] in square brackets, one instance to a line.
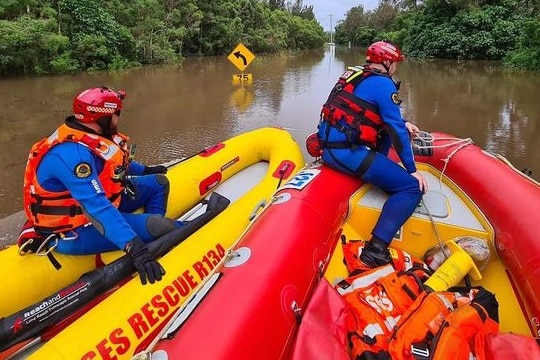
[404, 189]
[111, 228]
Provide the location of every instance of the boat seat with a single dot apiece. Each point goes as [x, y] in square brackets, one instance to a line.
[444, 204]
[433, 202]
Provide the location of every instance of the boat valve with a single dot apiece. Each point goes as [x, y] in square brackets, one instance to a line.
[297, 312]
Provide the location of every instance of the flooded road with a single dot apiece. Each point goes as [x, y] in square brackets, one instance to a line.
[175, 111]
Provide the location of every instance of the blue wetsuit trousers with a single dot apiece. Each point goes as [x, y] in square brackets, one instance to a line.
[149, 193]
[403, 189]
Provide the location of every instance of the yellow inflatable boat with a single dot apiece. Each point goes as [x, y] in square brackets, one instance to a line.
[117, 326]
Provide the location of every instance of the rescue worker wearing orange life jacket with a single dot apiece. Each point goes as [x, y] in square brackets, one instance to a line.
[81, 182]
[359, 122]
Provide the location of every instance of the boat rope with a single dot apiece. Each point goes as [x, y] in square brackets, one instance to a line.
[230, 254]
[434, 226]
[296, 129]
[509, 164]
[466, 278]
[427, 137]
[460, 143]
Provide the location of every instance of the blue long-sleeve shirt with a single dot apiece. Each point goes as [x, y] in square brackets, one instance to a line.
[382, 91]
[56, 172]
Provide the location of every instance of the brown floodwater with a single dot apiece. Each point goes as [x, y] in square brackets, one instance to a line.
[175, 111]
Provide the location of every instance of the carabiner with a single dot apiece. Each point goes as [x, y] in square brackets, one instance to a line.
[44, 249]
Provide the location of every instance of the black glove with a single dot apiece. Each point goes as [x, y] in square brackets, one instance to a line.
[158, 169]
[146, 265]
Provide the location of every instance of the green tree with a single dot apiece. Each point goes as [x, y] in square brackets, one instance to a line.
[29, 45]
[91, 29]
[348, 29]
[55, 36]
[527, 53]
[442, 30]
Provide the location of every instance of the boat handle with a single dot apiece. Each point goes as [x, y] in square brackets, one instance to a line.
[259, 206]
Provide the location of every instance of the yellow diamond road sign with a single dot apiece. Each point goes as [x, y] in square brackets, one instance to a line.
[241, 57]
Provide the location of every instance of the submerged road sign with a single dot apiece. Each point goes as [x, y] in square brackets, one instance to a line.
[241, 57]
[242, 78]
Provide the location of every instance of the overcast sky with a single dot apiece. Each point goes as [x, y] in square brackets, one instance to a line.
[338, 8]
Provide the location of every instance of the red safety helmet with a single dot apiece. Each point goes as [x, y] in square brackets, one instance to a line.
[95, 103]
[380, 51]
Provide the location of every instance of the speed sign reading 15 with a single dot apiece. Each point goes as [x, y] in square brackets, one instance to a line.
[241, 57]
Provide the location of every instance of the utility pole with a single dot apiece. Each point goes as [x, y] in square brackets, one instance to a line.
[331, 30]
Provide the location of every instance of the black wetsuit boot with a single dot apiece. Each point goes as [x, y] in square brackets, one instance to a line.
[375, 253]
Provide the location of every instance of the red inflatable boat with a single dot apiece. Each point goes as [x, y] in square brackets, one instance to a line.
[257, 300]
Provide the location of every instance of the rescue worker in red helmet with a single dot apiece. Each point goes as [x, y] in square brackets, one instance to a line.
[82, 185]
[360, 121]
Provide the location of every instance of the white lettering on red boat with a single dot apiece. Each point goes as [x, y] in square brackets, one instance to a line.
[300, 180]
[152, 315]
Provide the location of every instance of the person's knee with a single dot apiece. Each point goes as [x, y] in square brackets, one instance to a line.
[162, 180]
[157, 225]
[415, 194]
[414, 190]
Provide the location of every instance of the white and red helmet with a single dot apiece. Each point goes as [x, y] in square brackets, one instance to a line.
[381, 51]
[94, 103]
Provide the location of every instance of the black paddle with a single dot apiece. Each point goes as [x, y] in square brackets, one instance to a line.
[33, 320]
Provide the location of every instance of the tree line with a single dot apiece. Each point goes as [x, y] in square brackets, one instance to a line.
[67, 36]
[507, 30]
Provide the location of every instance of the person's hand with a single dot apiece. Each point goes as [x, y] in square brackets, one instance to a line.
[147, 267]
[412, 129]
[158, 169]
[421, 181]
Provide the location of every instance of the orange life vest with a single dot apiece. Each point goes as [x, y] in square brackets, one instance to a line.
[457, 336]
[376, 299]
[440, 325]
[59, 211]
[360, 115]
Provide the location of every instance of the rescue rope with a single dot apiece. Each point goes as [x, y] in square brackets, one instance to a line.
[443, 247]
[460, 143]
[296, 129]
[427, 137]
[434, 226]
[508, 163]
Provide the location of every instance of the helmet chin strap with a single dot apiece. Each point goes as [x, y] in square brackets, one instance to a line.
[387, 67]
[105, 124]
